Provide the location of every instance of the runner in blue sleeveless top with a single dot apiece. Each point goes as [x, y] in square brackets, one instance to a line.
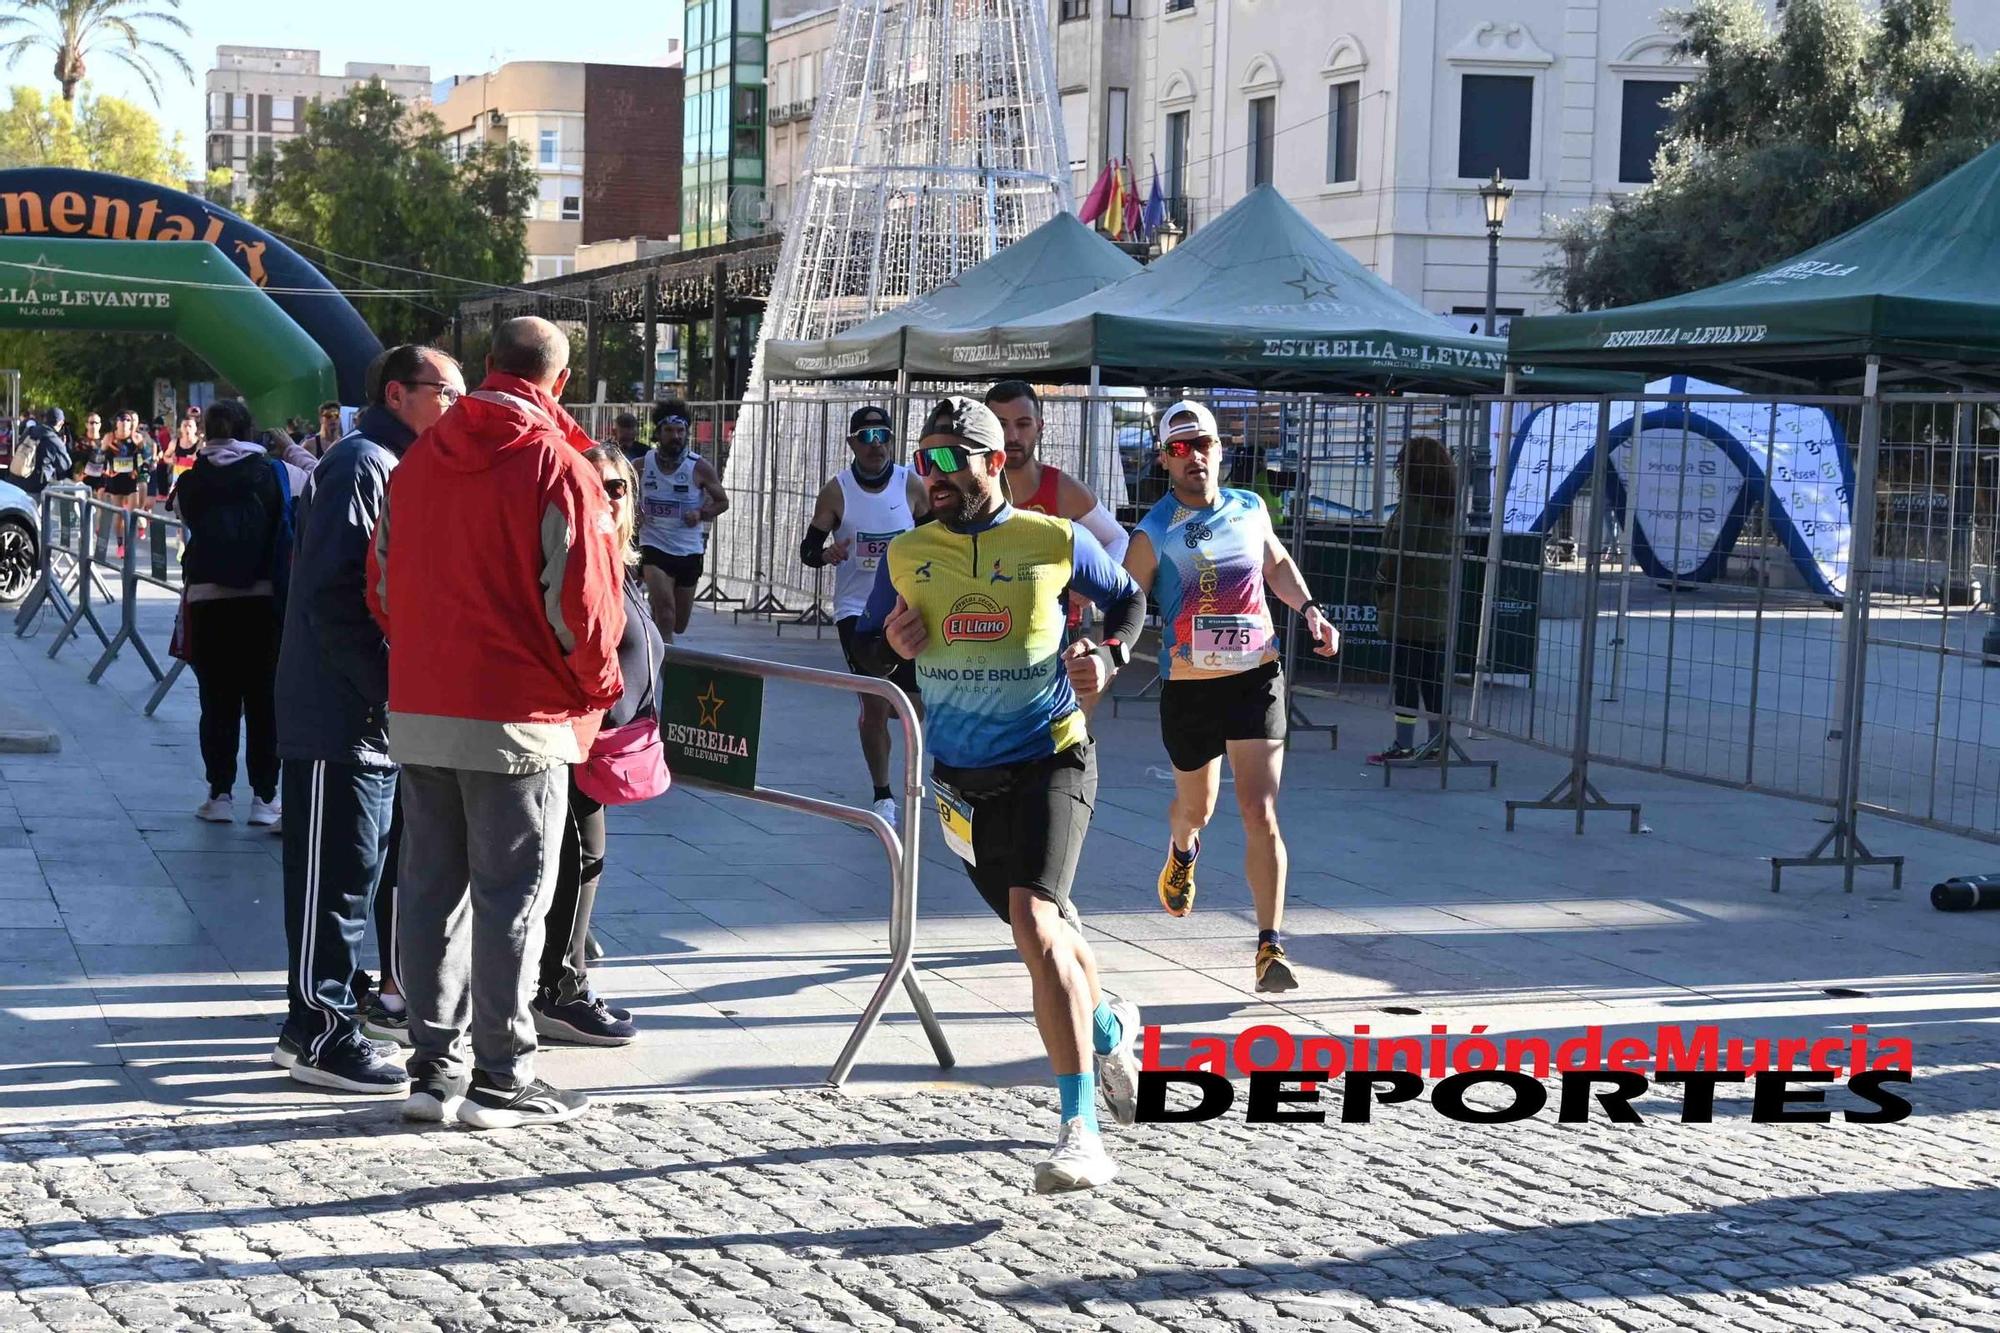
[1205, 557]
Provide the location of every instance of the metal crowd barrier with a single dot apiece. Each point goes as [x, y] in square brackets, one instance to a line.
[902, 850]
[75, 530]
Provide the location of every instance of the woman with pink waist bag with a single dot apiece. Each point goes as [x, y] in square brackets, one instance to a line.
[626, 764]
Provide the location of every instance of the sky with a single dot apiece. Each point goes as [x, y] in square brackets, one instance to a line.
[451, 36]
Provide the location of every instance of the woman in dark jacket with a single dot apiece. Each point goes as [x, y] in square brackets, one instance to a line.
[232, 502]
[565, 1009]
[1413, 588]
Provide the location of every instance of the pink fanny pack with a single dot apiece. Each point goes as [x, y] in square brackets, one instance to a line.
[627, 764]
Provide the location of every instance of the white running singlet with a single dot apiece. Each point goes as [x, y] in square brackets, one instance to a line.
[868, 519]
[663, 498]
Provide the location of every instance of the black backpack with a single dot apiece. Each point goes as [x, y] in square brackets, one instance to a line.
[236, 524]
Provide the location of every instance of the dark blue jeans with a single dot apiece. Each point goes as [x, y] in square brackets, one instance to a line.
[336, 830]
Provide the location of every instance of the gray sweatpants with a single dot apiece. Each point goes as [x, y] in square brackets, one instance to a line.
[478, 866]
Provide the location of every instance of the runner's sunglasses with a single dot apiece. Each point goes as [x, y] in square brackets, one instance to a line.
[874, 435]
[1187, 448]
[944, 458]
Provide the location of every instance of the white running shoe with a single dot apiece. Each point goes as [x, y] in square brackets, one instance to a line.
[886, 807]
[1078, 1163]
[265, 814]
[217, 810]
[1118, 1072]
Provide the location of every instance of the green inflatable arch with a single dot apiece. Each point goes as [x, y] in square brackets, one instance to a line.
[185, 288]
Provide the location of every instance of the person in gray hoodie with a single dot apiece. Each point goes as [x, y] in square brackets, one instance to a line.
[333, 700]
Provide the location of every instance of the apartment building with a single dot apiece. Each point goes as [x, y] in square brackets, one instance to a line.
[604, 142]
[257, 97]
[796, 58]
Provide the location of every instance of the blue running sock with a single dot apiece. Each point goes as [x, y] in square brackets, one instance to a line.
[1107, 1033]
[1079, 1097]
[1186, 857]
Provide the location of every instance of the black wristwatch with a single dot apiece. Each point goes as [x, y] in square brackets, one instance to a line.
[1116, 654]
[1315, 604]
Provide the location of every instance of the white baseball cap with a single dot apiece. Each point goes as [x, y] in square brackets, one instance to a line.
[1187, 420]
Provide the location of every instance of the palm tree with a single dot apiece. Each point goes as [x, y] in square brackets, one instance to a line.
[74, 29]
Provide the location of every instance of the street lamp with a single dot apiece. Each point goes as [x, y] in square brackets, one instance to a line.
[1166, 238]
[1494, 196]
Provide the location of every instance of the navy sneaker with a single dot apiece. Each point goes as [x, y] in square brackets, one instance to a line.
[435, 1096]
[488, 1105]
[379, 1024]
[286, 1053]
[588, 1022]
[356, 1065]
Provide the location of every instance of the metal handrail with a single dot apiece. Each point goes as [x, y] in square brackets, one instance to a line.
[902, 849]
[77, 605]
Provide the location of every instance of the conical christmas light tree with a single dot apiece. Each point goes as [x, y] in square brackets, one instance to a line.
[935, 143]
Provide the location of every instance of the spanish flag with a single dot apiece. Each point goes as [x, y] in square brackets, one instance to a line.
[1114, 206]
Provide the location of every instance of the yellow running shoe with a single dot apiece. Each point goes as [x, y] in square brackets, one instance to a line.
[1274, 971]
[1177, 880]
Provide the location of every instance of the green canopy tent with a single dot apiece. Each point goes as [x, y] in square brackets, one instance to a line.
[1259, 298]
[1056, 262]
[185, 288]
[1916, 287]
[1910, 298]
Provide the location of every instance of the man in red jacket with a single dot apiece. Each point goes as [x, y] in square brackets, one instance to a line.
[495, 576]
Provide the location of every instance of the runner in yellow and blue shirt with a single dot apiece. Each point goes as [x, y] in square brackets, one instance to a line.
[976, 600]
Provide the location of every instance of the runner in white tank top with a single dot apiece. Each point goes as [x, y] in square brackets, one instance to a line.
[678, 492]
[857, 512]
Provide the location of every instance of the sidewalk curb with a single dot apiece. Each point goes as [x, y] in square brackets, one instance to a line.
[30, 742]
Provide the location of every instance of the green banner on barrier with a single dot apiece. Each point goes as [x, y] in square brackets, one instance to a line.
[710, 724]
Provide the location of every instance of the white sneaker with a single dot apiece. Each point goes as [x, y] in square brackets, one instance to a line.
[886, 807]
[1118, 1072]
[217, 810]
[265, 814]
[1078, 1163]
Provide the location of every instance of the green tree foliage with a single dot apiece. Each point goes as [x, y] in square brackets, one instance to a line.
[94, 133]
[74, 30]
[84, 371]
[1791, 135]
[372, 193]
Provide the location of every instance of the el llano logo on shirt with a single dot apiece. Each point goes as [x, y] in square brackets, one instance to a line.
[977, 619]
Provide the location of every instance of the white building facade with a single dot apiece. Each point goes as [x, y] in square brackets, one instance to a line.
[1380, 119]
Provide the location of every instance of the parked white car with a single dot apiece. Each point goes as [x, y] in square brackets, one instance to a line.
[20, 542]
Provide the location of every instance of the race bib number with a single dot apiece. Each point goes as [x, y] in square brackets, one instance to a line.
[955, 819]
[869, 548]
[660, 508]
[1229, 643]
[121, 465]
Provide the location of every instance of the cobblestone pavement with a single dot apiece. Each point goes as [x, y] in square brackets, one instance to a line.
[824, 1211]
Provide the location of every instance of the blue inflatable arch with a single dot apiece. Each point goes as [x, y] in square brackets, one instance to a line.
[95, 205]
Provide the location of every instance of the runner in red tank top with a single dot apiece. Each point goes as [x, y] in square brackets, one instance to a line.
[1038, 486]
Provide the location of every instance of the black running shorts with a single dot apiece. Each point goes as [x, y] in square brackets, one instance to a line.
[1028, 824]
[684, 570]
[1198, 718]
[904, 675]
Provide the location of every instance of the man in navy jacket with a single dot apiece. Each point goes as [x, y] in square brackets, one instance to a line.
[333, 709]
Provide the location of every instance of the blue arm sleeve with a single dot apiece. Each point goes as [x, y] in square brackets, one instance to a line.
[881, 601]
[1097, 576]
[1092, 570]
